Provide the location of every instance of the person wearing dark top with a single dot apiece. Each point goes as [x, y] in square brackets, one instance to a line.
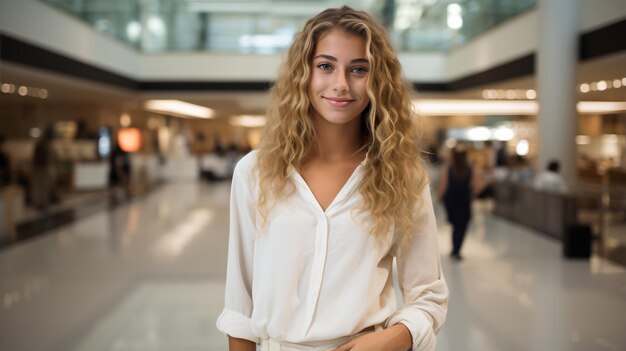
[5, 164]
[120, 170]
[44, 170]
[456, 189]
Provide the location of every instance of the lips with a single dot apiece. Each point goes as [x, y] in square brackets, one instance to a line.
[338, 102]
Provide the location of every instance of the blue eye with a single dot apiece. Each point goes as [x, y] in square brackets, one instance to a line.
[324, 66]
[359, 70]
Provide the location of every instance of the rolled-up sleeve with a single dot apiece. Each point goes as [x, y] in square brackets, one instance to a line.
[235, 318]
[424, 289]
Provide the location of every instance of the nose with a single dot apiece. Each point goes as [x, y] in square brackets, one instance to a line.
[341, 83]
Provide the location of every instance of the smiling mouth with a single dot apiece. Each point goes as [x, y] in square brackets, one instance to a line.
[338, 102]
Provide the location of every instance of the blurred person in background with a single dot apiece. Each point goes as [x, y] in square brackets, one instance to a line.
[491, 156]
[550, 180]
[44, 171]
[489, 171]
[5, 164]
[519, 170]
[457, 186]
[119, 171]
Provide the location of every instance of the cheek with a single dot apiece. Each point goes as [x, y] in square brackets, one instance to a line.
[311, 88]
[315, 83]
[363, 93]
[362, 87]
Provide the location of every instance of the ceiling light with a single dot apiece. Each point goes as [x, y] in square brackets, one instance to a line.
[34, 92]
[178, 108]
[249, 121]
[531, 94]
[503, 133]
[610, 138]
[490, 94]
[582, 140]
[455, 21]
[617, 83]
[601, 106]
[156, 26]
[23, 91]
[511, 94]
[478, 134]
[451, 107]
[133, 30]
[474, 107]
[35, 132]
[584, 88]
[602, 85]
[522, 147]
[125, 120]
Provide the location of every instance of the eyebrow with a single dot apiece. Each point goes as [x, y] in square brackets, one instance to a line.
[332, 58]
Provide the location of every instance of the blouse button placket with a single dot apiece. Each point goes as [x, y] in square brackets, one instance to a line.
[319, 263]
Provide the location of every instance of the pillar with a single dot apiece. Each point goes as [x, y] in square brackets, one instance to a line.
[556, 61]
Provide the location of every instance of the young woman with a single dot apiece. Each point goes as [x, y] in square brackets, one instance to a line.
[336, 190]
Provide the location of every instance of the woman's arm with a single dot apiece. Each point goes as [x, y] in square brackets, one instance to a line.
[235, 319]
[424, 290]
[235, 344]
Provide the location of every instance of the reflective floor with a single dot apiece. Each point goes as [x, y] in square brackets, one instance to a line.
[149, 275]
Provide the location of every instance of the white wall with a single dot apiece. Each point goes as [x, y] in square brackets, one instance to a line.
[424, 67]
[208, 66]
[44, 26]
[495, 47]
[598, 13]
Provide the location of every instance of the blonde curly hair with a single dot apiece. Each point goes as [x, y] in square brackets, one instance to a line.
[394, 173]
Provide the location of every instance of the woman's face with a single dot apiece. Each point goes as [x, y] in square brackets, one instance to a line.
[338, 86]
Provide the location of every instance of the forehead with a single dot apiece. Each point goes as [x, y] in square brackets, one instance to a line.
[340, 42]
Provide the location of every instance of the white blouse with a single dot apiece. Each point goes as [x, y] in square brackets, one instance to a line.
[310, 275]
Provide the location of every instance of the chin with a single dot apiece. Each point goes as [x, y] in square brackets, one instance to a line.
[340, 119]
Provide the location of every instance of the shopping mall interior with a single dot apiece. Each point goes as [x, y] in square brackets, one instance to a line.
[121, 122]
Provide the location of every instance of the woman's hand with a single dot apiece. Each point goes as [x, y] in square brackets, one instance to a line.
[395, 338]
[235, 344]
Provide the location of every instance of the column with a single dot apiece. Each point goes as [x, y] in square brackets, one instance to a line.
[556, 61]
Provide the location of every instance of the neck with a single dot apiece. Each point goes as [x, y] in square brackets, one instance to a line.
[336, 142]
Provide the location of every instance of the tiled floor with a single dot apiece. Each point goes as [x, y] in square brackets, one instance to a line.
[149, 275]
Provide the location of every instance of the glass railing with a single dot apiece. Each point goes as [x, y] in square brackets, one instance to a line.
[267, 26]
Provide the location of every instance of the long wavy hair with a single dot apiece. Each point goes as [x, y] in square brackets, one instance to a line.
[394, 173]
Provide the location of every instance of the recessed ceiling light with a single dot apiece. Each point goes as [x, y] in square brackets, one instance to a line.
[584, 88]
[249, 121]
[178, 108]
